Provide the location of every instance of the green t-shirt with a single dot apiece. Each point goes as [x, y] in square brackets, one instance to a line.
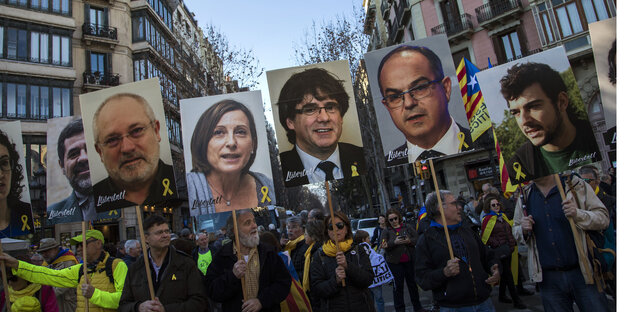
[570, 157]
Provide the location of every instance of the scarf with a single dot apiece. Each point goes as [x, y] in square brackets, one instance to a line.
[306, 268]
[252, 274]
[65, 255]
[293, 243]
[450, 227]
[330, 249]
[23, 300]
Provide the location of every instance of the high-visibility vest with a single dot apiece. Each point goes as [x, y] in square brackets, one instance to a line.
[203, 261]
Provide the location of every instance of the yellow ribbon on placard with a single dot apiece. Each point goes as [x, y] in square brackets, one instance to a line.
[518, 169]
[25, 223]
[165, 183]
[354, 172]
[265, 194]
[173, 278]
[462, 141]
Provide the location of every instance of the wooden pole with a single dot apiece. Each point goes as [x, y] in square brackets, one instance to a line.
[331, 214]
[5, 284]
[84, 260]
[577, 238]
[148, 270]
[437, 190]
[239, 255]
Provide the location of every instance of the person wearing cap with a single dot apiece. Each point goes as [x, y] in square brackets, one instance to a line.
[106, 277]
[25, 296]
[59, 258]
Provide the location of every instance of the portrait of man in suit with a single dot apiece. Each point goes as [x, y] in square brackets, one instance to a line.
[311, 107]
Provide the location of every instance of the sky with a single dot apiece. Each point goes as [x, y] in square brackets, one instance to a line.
[269, 28]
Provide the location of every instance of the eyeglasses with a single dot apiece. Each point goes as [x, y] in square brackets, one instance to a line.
[5, 164]
[161, 232]
[453, 203]
[134, 134]
[395, 101]
[393, 219]
[495, 205]
[339, 225]
[313, 109]
[585, 179]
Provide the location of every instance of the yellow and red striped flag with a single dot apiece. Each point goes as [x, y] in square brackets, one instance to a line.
[476, 112]
[506, 185]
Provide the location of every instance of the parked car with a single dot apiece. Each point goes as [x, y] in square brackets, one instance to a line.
[366, 224]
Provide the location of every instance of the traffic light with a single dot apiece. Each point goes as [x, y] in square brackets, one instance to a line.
[426, 173]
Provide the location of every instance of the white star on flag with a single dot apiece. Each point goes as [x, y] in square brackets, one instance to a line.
[473, 81]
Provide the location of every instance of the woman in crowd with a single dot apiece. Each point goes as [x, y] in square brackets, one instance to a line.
[340, 260]
[400, 252]
[15, 215]
[223, 148]
[314, 233]
[496, 234]
[381, 226]
[363, 239]
[26, 296]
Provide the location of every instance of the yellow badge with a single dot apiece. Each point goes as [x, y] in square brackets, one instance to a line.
[173, 278]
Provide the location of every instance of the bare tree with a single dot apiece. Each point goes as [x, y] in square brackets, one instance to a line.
[341, 38]
[238, 63]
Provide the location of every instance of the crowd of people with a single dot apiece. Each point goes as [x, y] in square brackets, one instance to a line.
[316, 263]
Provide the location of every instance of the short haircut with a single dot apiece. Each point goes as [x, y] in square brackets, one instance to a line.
[360, 236]
[315, 229]
[589, 169]
[295, 219]
[131, 243]
[17, 172]
[393, 211]
[434, 61]
[149, 112]
[151, 221]
[340, 215]
[73, 128]
[230, 221]
[205, 128]
[521, 76]
[488, 200]
[317, 82]
[431, 203]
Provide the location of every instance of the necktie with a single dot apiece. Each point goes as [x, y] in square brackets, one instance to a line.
[328, 168]
[429, 154]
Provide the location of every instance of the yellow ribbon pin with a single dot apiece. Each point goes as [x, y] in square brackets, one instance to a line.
[462, 141]
[25, 223]
[165, 183]
[354, 172]
[518, 169]
[265, 194]
[173, 278]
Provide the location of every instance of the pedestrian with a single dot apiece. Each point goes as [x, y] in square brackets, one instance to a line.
[177, 282]
[314, 238]
[37, 259]
[185, 242]
[382, 272]
[26, 296]
[202, 253]
[340, 260]
[553, 260]
[496, 234]
[59, 258]
[296, 245]
[463, 282]
[132, 249]
[267, 281]
[106, 275]
[400, 239]
[381, 226]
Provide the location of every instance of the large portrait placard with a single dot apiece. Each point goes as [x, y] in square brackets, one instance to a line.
[538, 115]
[417, 100]
[316, 123]
[226, 153]
[128, 146]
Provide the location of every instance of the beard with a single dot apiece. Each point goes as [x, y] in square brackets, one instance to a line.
[136, 174]
[250, 240]
[80, 184]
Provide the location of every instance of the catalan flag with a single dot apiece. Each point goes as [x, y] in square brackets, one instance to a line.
[477, 114]
[506, 185]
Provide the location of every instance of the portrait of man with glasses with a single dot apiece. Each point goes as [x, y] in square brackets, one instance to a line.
[128, 140]
[312, 108]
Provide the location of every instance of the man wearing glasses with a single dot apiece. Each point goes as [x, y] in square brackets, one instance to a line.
[416, 94]
[311, 106]
[127, 138]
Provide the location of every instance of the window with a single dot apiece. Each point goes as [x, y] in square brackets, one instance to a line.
[459, 55]
[31, 98]
[569, 19]
[39, 47]
[98, 63]
[16, 44]
[60, 6]
[34, 45]
[1, 41]
[511, 46]
[39, 102]
[97, 16]
[595, 10]
[16, 100]
[60, 50]
[35, 155]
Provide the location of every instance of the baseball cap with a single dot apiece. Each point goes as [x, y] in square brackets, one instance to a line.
[90, 234]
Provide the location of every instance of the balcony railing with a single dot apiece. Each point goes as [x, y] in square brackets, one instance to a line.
[495, 9]
[99, 31]
[385, 9]
[403, 10]
[455, 26]
[97, 78]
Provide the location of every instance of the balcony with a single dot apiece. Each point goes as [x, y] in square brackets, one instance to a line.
[99, 33]
[396, 33]
[498, 13]
[97, 80]
[385, 9]
[403, 11]
[458, 29]
[369, 22]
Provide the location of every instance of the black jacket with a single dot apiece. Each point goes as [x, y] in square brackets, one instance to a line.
[180, 287]
[469, 286]
[355, 296]
[394, 251]
[223, 286]
[297, 255]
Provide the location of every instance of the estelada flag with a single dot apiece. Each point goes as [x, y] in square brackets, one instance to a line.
[506, 185]
[477, 114]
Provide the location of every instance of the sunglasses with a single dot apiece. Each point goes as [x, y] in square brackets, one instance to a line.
[495, 205]
[339, 225]
[393, 219]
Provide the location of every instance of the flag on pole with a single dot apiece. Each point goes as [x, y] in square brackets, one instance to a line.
[477, 114]
[506, 185]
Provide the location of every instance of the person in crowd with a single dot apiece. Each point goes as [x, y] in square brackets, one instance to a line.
[296, 245]
[400, 239]
[381, 226]
[304, 216]
[314, 238]
[26, 296]
[274, 231]
[340, 260]
[383, 275]
[185, 242]
[106, 275]
[462, 283]
[223, 147]
[316, 214]
[15, 215]
[177, 282]
[267, 281]
[132, 247]
[59, 258]
[590, 174]
[607, 182]
[496, 234]
[202, 253]
[552, 253]
[37, 259]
